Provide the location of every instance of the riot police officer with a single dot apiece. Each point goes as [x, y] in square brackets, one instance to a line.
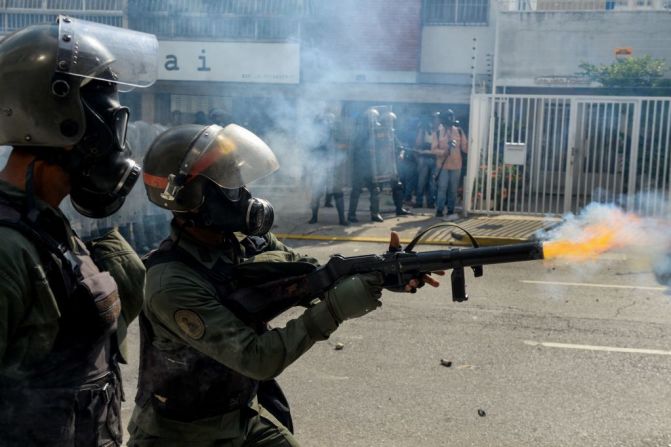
[386, 135]
[65, 305]
[362, 165]
[327, 164]
[206, 363]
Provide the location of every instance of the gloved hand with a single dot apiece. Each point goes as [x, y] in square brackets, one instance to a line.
[354, 296]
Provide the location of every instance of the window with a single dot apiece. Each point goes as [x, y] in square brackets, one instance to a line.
[271, 20]
[456, 12]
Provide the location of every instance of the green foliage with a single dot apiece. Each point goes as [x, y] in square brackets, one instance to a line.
[629, 72]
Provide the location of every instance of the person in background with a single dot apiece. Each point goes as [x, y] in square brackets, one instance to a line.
[386, 134]
[176, 118]
[362, 169]
[200, 118]
[65, 305]
[426, 161]
[220, 117]
[448, 145]
[327, 168]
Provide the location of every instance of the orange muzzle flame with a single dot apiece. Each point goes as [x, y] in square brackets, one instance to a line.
[593, 240]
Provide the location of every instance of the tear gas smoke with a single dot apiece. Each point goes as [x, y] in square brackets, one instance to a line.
[603, 228]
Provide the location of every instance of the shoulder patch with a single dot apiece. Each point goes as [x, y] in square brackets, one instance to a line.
[190, 323]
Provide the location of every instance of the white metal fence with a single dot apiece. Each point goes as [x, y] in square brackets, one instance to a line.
[554, 154]
[584, 5]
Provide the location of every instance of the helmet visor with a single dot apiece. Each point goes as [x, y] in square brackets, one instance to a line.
[86, 49]
[231, 156]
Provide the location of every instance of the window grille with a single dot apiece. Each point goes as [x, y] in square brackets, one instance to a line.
[456, 12]
[271, 20]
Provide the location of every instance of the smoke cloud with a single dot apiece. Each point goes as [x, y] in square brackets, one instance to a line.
[606, 228]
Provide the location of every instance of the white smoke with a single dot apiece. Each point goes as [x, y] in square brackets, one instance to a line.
[644, 241]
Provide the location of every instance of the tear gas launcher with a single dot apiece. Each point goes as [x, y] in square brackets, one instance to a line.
[298, 283]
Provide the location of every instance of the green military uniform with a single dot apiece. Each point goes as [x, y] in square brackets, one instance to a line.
[30, 307]
[184, 309]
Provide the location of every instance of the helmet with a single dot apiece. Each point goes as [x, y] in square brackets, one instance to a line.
[447, 117]
[43, 67]
[59, 89]
[201, 172]
[388, 118]
[219, 116]
[372, 114]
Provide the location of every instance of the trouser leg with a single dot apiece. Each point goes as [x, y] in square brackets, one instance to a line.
[431, 185]
[397, 194]
[354, 201]
[340, 207]
[453, 176]
[441, 192]
[266, 431]
[374, 189]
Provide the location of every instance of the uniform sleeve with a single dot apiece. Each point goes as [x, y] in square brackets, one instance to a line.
[113, 254]
[14, 277]
[186, 306]
[275, 245]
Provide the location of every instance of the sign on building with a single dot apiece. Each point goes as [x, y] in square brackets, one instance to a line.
[272, 63]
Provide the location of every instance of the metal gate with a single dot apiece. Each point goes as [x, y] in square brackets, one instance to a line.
[538, 154]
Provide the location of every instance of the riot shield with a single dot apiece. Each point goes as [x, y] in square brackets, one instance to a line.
[383, 151]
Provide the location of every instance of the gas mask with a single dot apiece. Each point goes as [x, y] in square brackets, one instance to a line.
[102, 172]
[230, 210]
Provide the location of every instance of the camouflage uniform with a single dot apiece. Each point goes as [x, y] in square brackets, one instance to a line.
[190, 320]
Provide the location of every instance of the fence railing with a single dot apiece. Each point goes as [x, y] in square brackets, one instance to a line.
[17, 14]
[545, 154]
[584, 5]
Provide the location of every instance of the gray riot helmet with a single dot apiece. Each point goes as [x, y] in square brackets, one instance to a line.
[373, 115]
[201, 172]
[59, 88]
[387, 119]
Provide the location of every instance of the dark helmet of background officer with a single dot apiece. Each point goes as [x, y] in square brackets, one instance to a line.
[200, 173]
[447, 118]
[220, 117]
[59, 100]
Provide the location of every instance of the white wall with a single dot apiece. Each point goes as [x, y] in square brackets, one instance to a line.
[448, 49]
[536, 47]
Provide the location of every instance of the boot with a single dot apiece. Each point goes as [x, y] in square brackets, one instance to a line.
[376, 218]
[353, 203]
[340, 206]
[397, 195]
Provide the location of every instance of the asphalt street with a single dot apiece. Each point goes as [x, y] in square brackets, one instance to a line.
[541, 355]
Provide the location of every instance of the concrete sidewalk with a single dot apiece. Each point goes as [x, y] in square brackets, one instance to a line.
[291, 224]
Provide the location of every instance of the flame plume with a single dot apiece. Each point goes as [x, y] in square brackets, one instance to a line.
[591, 235]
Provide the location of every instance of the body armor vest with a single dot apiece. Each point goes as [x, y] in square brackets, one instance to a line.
[72, 389]
[185, 384]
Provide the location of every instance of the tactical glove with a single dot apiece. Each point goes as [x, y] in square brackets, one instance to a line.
[354, 296]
